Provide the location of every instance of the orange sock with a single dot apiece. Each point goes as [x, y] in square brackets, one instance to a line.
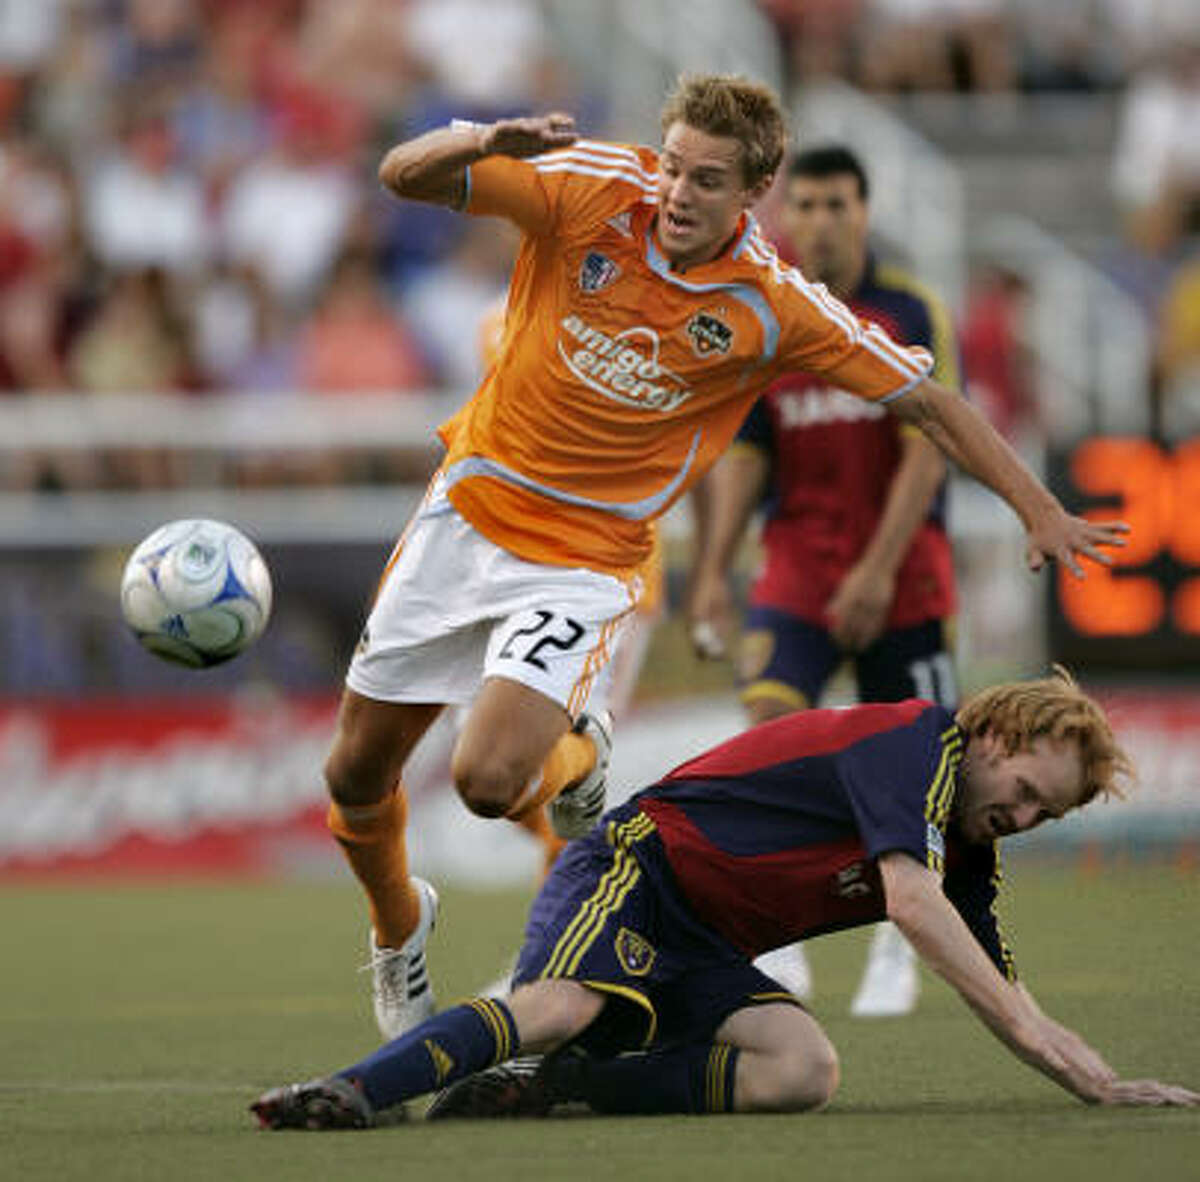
[372, 838]
[570, 759]
[538, 824]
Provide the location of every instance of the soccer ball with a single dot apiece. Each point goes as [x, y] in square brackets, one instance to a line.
[196, 593]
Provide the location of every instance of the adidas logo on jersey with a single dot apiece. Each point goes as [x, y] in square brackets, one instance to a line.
[623, 367]
[813, 408]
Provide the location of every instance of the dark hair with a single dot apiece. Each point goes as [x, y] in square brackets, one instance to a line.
[828, 160]
[729, 105]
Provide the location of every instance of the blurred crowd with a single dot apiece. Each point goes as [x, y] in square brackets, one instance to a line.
[187, 192]
[188, 197]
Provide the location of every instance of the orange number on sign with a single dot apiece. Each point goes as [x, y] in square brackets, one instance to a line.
[1135, 473]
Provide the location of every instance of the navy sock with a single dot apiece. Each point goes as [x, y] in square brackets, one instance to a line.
[697, 1078]
[450, 1045]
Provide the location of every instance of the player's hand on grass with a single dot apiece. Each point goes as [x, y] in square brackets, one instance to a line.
[859, 608]
[1061, 538]
[1149, 1093]
[529, 136]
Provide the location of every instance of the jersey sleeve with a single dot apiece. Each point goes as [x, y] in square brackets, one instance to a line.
[900, 784]
[972, 883]
[819, 334]
[575, 186]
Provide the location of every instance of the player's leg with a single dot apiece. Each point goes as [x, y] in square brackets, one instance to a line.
[784, 664]
[423, 645]
[538, 732]
[437, 1053]
[730, 1042]
[915, 662]
[368, 815]
[542, 1012]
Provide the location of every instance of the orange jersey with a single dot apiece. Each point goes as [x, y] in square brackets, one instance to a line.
[619, 382]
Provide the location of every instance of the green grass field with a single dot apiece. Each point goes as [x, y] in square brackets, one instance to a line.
[138, 1021]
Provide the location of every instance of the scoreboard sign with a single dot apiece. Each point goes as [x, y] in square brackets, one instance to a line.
[1144, 612]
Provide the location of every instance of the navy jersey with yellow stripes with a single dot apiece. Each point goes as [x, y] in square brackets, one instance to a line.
[773, 836]
[833, 458]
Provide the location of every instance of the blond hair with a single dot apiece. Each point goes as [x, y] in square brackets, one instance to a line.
[733, 106]
[1019, 712]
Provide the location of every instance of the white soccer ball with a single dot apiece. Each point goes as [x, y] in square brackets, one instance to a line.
[196, 592]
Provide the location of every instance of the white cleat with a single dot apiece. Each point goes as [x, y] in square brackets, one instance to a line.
[575, 810]
[403, 994]
[890, 982]
[789, 966]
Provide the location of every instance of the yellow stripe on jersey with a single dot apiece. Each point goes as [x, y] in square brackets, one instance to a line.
[940, 794]
[1010, 965]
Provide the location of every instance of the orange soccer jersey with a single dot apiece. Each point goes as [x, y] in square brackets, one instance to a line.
[619, 382]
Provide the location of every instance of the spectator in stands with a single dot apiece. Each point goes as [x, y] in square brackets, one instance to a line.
[355, 342]
[993, 351]
[1156, 162]
[142, 209]
[288, 213]
[938, 45]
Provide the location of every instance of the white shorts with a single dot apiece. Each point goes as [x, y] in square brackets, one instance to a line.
[454, 608]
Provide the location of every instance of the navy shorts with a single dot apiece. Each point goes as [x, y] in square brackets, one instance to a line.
[783, 656]
[610, 916]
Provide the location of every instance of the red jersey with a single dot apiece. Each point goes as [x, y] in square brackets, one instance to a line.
[833, 459]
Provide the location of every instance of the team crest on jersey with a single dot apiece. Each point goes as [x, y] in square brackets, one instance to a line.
[709, 334]
[635, 952]
[596, 272]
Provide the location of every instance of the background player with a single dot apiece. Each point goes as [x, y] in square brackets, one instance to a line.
[856, 559]
[644, 313]
[638, 948]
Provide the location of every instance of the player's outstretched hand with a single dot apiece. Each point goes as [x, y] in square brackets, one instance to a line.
[1063, 538]
[530, 135]
[1149, 1093]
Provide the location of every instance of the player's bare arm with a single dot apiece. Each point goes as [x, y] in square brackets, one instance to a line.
[433, 167]
[918, 907]
[732, 489]
[1054, 535]
[859, 608]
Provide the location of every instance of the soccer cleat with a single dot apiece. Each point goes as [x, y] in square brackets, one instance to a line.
[890, 982]
[789, 966]
[403, 994]
[512, 1089]
[575, 810]
[330, 1103]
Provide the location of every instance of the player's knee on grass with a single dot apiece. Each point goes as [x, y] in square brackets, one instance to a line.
[795, 1078]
